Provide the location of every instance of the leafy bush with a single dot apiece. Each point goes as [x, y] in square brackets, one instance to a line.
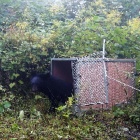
[4, 105]
[118, 112]
[66, 110]
[5, 101]
[32, 34]
[135, 114]
[19, 59]
[128, 112]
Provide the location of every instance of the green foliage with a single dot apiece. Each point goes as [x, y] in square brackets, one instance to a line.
[5, 104]
[118, 112]
[34, 33]
[66, 110]
[25, 120]
[128, 8]
[130, 112]
[134, 112]
[134, 115]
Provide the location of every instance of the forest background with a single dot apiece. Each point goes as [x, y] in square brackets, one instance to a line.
[33, 32]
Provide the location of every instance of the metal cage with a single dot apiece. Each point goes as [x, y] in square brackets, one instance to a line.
[98, 82]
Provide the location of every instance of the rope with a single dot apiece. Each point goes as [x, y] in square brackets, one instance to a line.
[123, 83]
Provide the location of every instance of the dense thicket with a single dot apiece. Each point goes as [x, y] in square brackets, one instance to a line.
[32, 32]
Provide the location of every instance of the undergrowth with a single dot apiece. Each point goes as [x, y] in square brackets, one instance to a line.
[28, 119]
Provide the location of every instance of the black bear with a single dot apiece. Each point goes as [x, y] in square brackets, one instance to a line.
[56, 89]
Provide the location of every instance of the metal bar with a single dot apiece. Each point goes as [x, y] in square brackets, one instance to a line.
[105, 80]
[105, 73]
[63, 59]
[119, 60]
[104, 49]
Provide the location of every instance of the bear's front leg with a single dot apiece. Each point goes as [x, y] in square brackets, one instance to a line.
[54, 104]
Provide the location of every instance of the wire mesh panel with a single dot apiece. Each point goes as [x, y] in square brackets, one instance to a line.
[103, 83]
[121, 81]
[89, 82]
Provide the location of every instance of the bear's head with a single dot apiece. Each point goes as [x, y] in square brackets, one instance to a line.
[38, 82]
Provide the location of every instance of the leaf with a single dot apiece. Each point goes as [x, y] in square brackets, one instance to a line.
[12, 85]
[95, 18]
[38, 97]
[22, 70]
[15, 75]
[6, 104]
[66, 115]
[14, 127]
[59, 136]
[61, 108]
[21, 115]
[1, 109]
[70, 101]
[21, 82]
